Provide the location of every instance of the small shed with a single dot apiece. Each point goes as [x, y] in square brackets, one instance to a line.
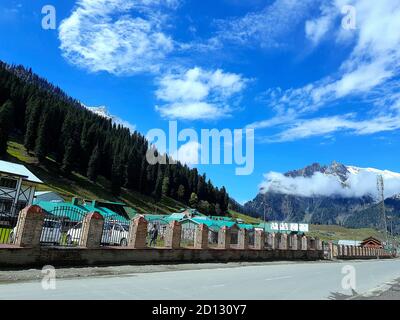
[371, 242]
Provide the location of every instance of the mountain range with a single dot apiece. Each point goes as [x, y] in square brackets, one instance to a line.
[329, 194]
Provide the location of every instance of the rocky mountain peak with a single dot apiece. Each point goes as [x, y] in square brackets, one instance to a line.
[335, 168]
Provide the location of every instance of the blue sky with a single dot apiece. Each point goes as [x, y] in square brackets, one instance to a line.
[313, 90]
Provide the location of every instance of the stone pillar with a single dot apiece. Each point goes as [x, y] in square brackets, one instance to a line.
[335, 251]
[304, 243]
[29, 227]
[340, 251]
[243, 240]
[201, 237]
[283, 242]
[294, 242]
[224, 238]
[277, 240]
[173, 236]
[270, 241]
[318, 244]
[138, 233]
[92, 230]
[330, 250]
[259, 240]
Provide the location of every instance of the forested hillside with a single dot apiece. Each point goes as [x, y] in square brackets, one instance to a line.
[59, 131]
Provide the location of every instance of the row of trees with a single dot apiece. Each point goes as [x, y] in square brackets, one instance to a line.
[57, 127]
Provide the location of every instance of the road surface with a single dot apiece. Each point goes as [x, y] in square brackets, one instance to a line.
[314, 280]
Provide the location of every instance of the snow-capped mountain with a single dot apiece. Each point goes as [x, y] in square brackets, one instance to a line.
[326, 194]
[102, 111]
[332, 180]
[386, 174]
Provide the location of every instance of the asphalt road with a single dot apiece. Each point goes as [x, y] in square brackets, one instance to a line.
[315, 280]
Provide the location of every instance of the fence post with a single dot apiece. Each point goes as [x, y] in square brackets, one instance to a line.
[318, 244]
[259, 239]
[283, 242]
[224, 238]
[173, 236]
[270, 241]
[138, 233]
[29, 227]
[277, 240]
[304, 243]
[92, 230]
[340, 251]
[201, 237]
[243, 240]
[294, 242]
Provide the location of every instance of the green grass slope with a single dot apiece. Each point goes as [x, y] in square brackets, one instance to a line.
[79, 186]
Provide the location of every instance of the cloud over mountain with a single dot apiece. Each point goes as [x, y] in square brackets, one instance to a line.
[354, 182]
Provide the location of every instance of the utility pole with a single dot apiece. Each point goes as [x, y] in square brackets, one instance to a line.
[264, 206]
[381, 194]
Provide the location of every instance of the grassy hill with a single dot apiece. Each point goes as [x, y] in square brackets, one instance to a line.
[79, 186]
[245, 218]
[333, 232]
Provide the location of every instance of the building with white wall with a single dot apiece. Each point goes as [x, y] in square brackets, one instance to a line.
[17, 187]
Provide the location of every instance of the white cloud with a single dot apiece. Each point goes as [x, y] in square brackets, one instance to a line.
[327, 125]
[188, 153]
[316, 29]
[373, 63]
[266, 28]
[116, 36]
[357, 185]
[198, 94]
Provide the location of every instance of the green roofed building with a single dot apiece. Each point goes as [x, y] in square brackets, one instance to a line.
[77, 209]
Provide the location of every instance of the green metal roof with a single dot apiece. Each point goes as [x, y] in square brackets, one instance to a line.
[156, 217]
[245, 226]
[176, 216]
[71, 211]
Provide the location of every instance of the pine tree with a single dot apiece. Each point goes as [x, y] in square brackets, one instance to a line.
[181, 192]
[193, 201]
[165, 187]
[6, 124]
[94, 164]
[157, 193]
[42, 143]
[32, 118]
[116, 176]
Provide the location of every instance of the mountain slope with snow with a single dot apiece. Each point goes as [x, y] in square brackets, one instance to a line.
[326, 194]
[332, 181]
[102, 111]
